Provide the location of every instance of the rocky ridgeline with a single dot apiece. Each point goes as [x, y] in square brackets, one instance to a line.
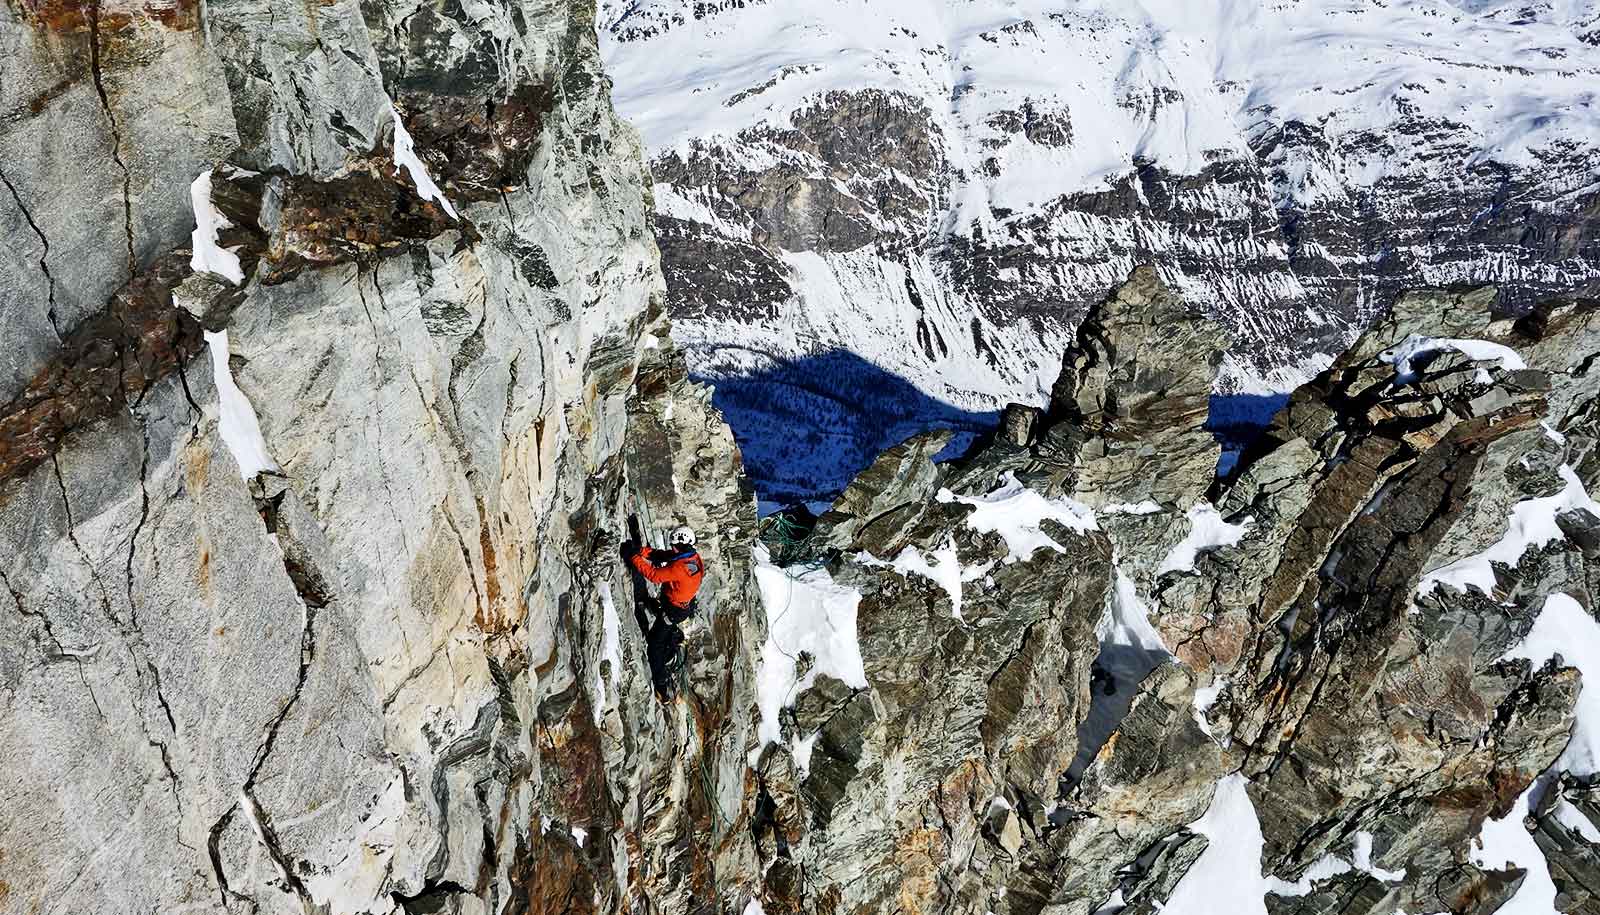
[1093, 669]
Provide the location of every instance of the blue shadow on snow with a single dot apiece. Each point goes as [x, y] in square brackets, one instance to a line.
[808, 426]
[1237, 420]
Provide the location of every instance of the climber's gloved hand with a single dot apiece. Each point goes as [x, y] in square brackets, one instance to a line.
[630, 549]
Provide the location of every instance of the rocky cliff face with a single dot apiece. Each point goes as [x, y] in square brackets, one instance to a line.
[339, 373]
[323, 327]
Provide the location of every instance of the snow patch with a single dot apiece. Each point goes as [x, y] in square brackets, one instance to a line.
[1204, 698]
[1017, 513]
[801, 751]
[209, 257]
[1363, 860]
[1145, 507]
[1564, 628]
[1568, 816]
[1532, 525]
[942, 567]
[1126, 622]
[1130, 648]
[806, 612]
[1418, 348]
[1333, 865]
[1506, 843]
[610, 649]
[1226, 878]
[405, 156]
[236, 418]
[1207, 531]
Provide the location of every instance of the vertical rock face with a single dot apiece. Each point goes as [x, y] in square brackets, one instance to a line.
[322, 331]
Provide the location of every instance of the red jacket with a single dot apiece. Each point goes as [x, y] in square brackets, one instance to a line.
[678, 574]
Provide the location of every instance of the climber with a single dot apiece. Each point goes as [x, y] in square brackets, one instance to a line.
[677, 570]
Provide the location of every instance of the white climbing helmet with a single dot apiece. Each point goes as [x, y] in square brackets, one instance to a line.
[682, 536]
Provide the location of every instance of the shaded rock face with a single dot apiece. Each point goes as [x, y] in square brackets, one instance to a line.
[1062, 665]
[310, 586]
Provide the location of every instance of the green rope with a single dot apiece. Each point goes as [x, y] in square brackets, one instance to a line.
[788, 541]
[706, 786]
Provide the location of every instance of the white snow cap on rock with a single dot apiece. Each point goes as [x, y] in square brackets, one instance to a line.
[1207, 531]
[1017, 514]
[236, 418]
[405, 156]
[209, 257]
[1563, 628]
[1418, 347]
[941, 566]
[1532, 525]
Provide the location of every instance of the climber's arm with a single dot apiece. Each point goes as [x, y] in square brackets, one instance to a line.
[646, 568]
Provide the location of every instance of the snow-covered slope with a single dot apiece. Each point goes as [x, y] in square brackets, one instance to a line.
[939, 187]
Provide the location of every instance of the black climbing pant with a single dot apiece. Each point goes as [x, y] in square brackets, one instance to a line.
[663, 641]
[664, 644]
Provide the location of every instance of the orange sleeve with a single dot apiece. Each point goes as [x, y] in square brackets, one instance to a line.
[646, 568]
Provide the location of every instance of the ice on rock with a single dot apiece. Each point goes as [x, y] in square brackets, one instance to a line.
[405, 156]
[236, 418]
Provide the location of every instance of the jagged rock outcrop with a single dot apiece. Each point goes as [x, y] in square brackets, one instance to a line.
[1330, 638]
[340, 373]
[1128, 416]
